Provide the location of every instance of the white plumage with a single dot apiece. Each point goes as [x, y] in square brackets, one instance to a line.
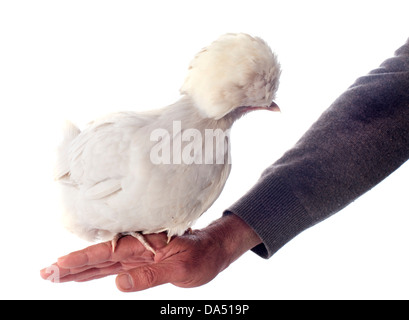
[110, 183]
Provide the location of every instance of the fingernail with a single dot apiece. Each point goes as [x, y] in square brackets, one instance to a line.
[51, 273]
[124, 282]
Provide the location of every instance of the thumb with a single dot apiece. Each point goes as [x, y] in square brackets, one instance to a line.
[144, 277]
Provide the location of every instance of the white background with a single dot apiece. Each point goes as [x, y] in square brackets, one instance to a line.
[79, 60]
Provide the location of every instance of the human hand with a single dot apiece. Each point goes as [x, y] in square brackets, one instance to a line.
[186, 261]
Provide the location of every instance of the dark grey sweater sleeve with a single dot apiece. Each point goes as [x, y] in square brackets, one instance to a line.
[356, 143]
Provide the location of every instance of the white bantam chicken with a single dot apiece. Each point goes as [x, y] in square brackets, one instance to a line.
[135, 173]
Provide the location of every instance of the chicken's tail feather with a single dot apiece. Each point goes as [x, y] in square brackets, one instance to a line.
[70, 131]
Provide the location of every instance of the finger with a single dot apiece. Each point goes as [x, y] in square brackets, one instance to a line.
[84, 268]
[93, 273]
[96, 260]
[92, 255]
[102, 252]
[112, 270]
[87, 272]
[147, 276]
[55, 273]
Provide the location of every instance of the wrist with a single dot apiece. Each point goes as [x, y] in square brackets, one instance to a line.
[233, 236]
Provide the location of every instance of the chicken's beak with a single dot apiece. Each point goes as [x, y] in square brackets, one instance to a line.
[274, 107]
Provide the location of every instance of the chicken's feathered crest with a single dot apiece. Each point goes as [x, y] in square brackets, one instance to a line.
[235, 70]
